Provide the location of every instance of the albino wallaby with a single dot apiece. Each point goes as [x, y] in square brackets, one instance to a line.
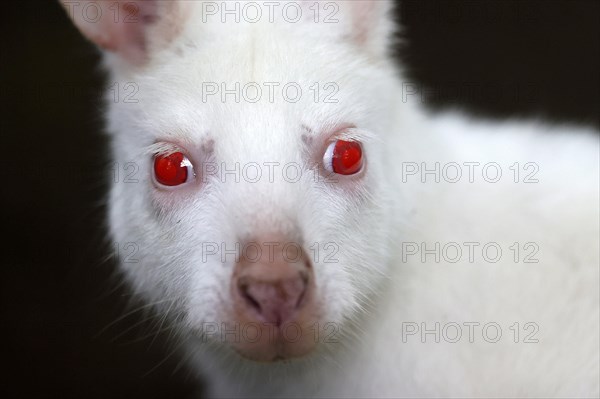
[313, 232]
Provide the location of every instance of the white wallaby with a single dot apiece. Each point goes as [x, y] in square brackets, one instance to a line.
[409, 254]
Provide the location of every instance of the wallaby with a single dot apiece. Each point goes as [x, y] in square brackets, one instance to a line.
[312, 231]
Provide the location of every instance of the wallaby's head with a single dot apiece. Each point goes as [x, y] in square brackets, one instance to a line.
[253, 194]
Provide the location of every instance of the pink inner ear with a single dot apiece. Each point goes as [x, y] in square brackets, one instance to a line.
[129, 34]
[121, 27]
[362, 18]
[364, 15]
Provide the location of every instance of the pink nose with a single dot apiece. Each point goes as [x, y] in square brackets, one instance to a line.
[273, 288]
[273, 301]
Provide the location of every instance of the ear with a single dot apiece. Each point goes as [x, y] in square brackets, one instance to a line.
[372, 25]
[126, 27]
[368, 24]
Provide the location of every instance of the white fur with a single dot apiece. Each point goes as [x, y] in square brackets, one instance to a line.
[371, 291]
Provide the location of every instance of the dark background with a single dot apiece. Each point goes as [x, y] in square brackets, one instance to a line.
[59, 292]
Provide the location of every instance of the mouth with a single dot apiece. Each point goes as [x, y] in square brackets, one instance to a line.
[270, 344]
[260, 359]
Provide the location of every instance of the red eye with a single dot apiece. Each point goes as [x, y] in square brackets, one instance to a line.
[172, 169]
[344, 157]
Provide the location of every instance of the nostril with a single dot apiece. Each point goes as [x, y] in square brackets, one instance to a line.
[300, 299]
[243, 288]
[304, 284]
[272, 301]
[307, 263]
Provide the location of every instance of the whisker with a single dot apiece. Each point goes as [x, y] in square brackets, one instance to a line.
[124, 316]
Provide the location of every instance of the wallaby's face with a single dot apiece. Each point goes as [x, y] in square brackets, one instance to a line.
[260, 205]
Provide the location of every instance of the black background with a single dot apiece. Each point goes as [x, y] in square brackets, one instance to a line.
[59, 292]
